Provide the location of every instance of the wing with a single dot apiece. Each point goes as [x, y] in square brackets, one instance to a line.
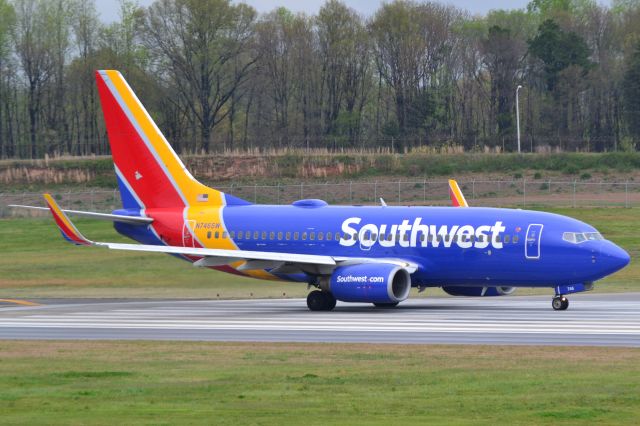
[457, 197]
[206, 257]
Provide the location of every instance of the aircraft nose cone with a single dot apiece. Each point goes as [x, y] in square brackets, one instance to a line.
[614, 258]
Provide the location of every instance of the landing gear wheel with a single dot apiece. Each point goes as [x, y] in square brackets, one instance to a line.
[560, 303]
[386, 305]
[321, 301]
[331, 301]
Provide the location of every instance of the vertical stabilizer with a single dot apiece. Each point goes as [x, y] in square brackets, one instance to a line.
[149, 172]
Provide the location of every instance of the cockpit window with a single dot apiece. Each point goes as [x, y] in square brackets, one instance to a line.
[580, 237]
[593, 236]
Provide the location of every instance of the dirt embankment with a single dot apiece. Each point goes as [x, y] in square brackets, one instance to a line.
[33, 175]
[99, 171]
[253, 168]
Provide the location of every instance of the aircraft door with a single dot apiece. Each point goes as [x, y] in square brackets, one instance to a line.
[532, 242]
[188, 231]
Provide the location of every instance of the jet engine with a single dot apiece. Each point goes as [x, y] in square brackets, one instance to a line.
[478, 291]
[370, 283]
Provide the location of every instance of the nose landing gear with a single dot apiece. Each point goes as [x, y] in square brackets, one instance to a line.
[560, 303]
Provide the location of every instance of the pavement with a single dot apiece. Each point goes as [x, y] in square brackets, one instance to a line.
[592, 319]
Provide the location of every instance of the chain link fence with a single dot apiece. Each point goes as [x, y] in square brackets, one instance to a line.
[494, 193]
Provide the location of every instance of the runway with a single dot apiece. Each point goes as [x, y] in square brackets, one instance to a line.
[592, 319]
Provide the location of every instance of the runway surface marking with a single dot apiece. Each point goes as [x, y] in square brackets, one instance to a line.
[19, 302]
[591, 320]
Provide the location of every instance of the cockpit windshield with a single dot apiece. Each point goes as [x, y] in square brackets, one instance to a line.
[580, 237]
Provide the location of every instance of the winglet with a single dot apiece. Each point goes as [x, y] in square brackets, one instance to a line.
[457, 198]
[67, 228]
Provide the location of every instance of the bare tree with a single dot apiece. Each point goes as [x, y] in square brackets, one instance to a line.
[7, 21]
[199, 41]
[35, 53]
[345, 56]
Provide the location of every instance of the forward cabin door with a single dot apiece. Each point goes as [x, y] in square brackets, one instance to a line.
[532, 243]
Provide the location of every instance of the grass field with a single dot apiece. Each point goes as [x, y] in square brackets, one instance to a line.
[37, 263]
[314, 384]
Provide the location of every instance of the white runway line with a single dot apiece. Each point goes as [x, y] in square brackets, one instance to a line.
[593, 320]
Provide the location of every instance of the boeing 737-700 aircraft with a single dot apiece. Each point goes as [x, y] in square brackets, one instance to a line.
[372, 254]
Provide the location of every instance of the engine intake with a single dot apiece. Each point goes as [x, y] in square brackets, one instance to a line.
[370, 283]
[478, 291]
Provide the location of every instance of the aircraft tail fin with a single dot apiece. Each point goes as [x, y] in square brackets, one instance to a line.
[149, 172]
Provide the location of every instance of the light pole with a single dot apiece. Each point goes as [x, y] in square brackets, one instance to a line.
[518, 115]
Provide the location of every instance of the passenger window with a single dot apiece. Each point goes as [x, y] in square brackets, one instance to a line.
[422, 238]
[224, 234]
[304, 236]
[374, 237]
[209, 234]
[296, 235]
[498, 238]
[506, 239]
[264, 235]
[320, 236]
[217, 235]
[515, 239]
[279, 236]
[355, 237]
[233, 235]
[312, 236]
[240, 235]
[255, 235]
[272, 235]
[329, 236]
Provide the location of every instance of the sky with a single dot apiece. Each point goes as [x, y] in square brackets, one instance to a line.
[109, 8]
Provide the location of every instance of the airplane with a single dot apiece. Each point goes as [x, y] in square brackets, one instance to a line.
[366, 254]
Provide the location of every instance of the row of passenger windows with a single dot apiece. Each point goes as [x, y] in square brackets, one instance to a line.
[329, 236]
[271, 236]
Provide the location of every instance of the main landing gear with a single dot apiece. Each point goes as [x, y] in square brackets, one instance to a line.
[560, 303]
[321, 301]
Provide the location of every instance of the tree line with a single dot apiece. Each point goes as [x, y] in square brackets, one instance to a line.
[216, 75]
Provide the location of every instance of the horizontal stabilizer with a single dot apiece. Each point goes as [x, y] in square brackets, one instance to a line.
[132, 220]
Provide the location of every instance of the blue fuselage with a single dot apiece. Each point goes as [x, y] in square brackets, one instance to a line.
[452, 246]
[529, 250]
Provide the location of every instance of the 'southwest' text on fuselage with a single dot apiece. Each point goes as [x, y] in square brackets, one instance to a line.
[413, 234]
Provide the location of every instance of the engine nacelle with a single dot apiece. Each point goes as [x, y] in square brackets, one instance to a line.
[370, 283]
[478, 291]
